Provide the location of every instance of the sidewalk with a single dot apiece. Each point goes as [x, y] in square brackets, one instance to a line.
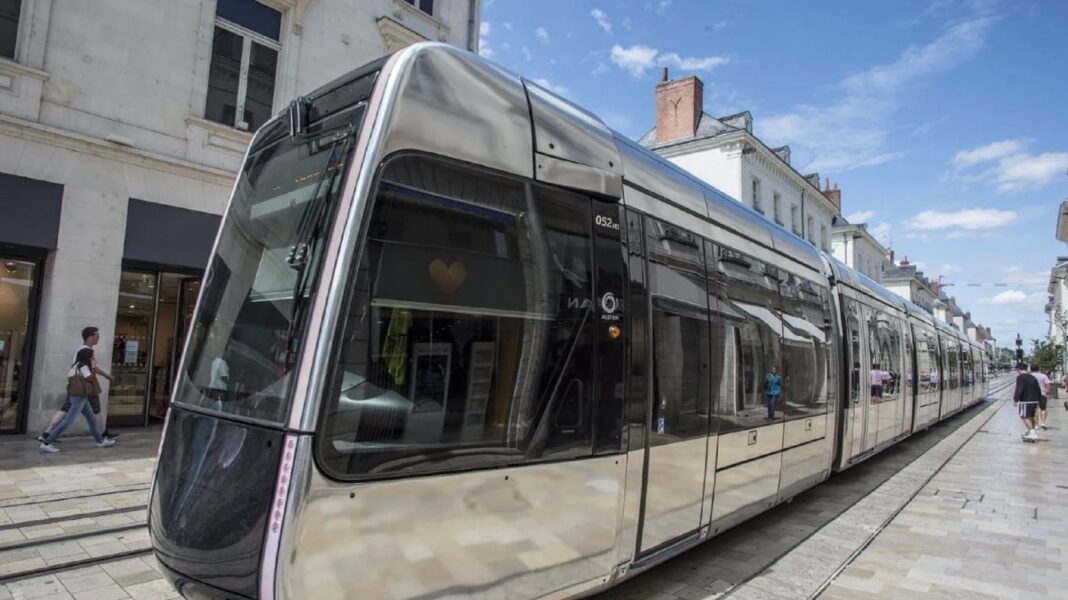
[993, 523]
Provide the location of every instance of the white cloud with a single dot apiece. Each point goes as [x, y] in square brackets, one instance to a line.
[1026, 171]
[861, 216]
[637, 59]
[721, 25]
[1015, 298]
[556, 89]
[948, 269]
[992, 151]
[968, 219]
[602, 19]
[507, 25]
[882, 231]
[1022, 276]
[526, 53]
[852, 130]
[484, 48]
[542, 35]
[693, 63]
[1012, 169]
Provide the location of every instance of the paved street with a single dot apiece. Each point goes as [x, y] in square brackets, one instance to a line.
[989, 523]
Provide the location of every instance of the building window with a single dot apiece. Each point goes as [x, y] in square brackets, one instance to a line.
[776, 206]
[244, 63]
[810, 226]
[795, 221]
[426, 6]
[825, 242]
[757, 204]
[9, 26]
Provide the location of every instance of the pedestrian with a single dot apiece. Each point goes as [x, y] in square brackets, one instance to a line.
[1025, 398]
[1044, 385]
[772, 391]
[90, 338]
[81, 382]
[1064, 386]
[876, 377]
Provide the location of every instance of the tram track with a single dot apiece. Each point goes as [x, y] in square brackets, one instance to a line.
[54, 533]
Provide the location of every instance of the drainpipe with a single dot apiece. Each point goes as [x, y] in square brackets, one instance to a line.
[472, 39]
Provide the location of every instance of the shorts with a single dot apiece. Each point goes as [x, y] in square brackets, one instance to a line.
[1042, 403]
[876, 391]
[94, 403]
[1027, 409]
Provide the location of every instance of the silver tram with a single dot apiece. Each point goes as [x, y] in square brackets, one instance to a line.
[459, 339]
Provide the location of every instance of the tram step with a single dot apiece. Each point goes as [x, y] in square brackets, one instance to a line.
[47, 556]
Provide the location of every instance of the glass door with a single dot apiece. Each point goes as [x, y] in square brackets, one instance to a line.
[130, 354]
[17, 294]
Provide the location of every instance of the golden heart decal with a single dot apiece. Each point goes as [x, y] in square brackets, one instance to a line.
[448, 278]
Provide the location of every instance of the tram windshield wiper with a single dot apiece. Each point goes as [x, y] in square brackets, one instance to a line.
[311, 225]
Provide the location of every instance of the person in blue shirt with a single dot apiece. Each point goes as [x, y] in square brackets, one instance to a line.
[773, 389]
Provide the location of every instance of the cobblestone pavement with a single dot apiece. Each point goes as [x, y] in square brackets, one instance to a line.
[987, 523]
[993, 523]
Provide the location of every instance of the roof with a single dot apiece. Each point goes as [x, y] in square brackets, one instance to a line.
[707, 127]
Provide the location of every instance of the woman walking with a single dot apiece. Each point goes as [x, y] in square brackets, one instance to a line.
[81, 384]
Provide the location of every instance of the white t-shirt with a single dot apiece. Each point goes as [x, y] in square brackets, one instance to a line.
[1043, 381]
[83, 370]
[219, 369]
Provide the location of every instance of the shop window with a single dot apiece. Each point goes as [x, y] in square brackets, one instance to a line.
[469, 338]
[9, 26]
[18, 279]
[244, 64]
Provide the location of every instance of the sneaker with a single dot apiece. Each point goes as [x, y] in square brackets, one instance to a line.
[110, 434]
[106, 443]
[48, 448]
[1031, 436]
[41, 438]
[1043, 427]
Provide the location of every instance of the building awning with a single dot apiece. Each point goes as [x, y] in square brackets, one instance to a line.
[168, 235]
[29, 212]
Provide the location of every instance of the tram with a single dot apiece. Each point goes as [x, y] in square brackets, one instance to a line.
[459, 339]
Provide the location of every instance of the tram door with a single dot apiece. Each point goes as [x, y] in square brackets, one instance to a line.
[861, 427]
[678, 400]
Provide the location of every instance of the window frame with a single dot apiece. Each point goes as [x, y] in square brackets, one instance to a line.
[756, 195]
[247, 38]
[417, 5]
[21, 32]
[776, 206]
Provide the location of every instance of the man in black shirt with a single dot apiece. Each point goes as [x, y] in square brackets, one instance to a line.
[1026, 398]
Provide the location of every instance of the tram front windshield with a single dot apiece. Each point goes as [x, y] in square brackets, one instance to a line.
[247, 328]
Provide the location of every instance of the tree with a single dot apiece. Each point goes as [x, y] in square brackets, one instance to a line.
[1046, 356]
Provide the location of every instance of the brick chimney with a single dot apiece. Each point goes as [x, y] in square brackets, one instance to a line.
[835, 195]
[905, 262]
[678, 107]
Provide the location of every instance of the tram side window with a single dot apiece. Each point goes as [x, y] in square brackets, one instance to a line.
[967, 366]
[932, 359]
[952, 364]
[748, 339]
[853, 333]
[806, 346]
[909, 378]
[680, 333]
[469, 337]
[886, 359]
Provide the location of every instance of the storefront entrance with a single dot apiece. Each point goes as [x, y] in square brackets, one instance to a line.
[153, 317]
[18, 300]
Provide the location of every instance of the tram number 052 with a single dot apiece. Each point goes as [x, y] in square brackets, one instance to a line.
[606, 222]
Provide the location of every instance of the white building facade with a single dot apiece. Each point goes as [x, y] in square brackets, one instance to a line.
[725, 153]
[855, 246]
[121, 127]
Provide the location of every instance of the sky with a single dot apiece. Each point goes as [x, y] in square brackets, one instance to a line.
[944, 122]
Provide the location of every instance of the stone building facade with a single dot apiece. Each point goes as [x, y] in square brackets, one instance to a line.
[725, 153]
[121, 127]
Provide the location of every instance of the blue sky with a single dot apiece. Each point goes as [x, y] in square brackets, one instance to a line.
[944, 122]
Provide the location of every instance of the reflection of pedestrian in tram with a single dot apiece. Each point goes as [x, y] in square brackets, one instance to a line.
[877, 378]
[772, 390]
